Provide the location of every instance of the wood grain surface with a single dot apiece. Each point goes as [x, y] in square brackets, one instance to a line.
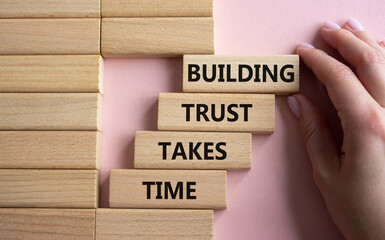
[50, 149]
[80, 36]
[159, 224]
[48, 188]
[51, 73]
[50, 111]
[157, 8]
[52, 224]
[49, 8]
[148, 37]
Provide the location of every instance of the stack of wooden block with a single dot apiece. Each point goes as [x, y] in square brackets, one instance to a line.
[50, 84]
[47, 97]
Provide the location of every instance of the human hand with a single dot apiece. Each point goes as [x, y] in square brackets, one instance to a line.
[351, 180]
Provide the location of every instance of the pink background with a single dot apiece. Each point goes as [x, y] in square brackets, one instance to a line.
[277, 198]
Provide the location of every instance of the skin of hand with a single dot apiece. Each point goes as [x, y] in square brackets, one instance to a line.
[351, 180]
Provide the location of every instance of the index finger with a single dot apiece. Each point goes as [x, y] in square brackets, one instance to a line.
[345, 90]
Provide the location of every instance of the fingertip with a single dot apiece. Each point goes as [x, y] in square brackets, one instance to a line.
[354, 24]
[307, 107]
[305, 45]
[330, 25]
[316, 133]
[294, 106]
[302, 101]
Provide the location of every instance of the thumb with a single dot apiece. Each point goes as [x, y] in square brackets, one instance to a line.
[319, 140]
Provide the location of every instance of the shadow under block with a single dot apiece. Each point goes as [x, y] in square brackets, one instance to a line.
[278, 74]
[51, 73]
[159, 224]
[132, 37]
[50, 149]
[203, 189]
[157, 8]
[48, 188]
[50, 111]
[50, 36]
[216, 112]
[53, 224]
[49, 8]
[192, 150]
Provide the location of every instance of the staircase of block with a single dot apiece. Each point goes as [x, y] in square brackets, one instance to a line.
[50, 86]
[179, 174]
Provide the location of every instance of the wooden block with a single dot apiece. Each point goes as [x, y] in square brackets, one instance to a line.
[277, 74]
[192, 150]
[48, 188]
[159, 224]
[216, 112]
[50, 111]
[49, 8]
[49, 36]
[51, 73]
[157, 8]
[50, 149]
[130, 188]
[132, 37]
[53, 224]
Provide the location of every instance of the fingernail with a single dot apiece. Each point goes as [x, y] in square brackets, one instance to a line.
[294, 106]
[306, 45]
[331, 25]
[354, 24]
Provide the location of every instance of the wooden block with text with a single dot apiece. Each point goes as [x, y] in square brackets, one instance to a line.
[50, 111]
[192, 150]
[48, 188]
[80, 36]
[49, 8]
[53, 224]
[50, 149]
[132, 37]
[159, 224]
[204, 189]
[278, 74]
[51, 73]
[157, 8]
[216, 112]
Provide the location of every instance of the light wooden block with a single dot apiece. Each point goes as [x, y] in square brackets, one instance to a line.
[278, 74]
[50, 149]
[192, 150]
[157, 8]
[132, 37]
[49, 8]
[159, 224]
[204, 189]
[225, 112]
[50, 36]
[50, 111]
[53, 224]
[57, 73]
[48, 188]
